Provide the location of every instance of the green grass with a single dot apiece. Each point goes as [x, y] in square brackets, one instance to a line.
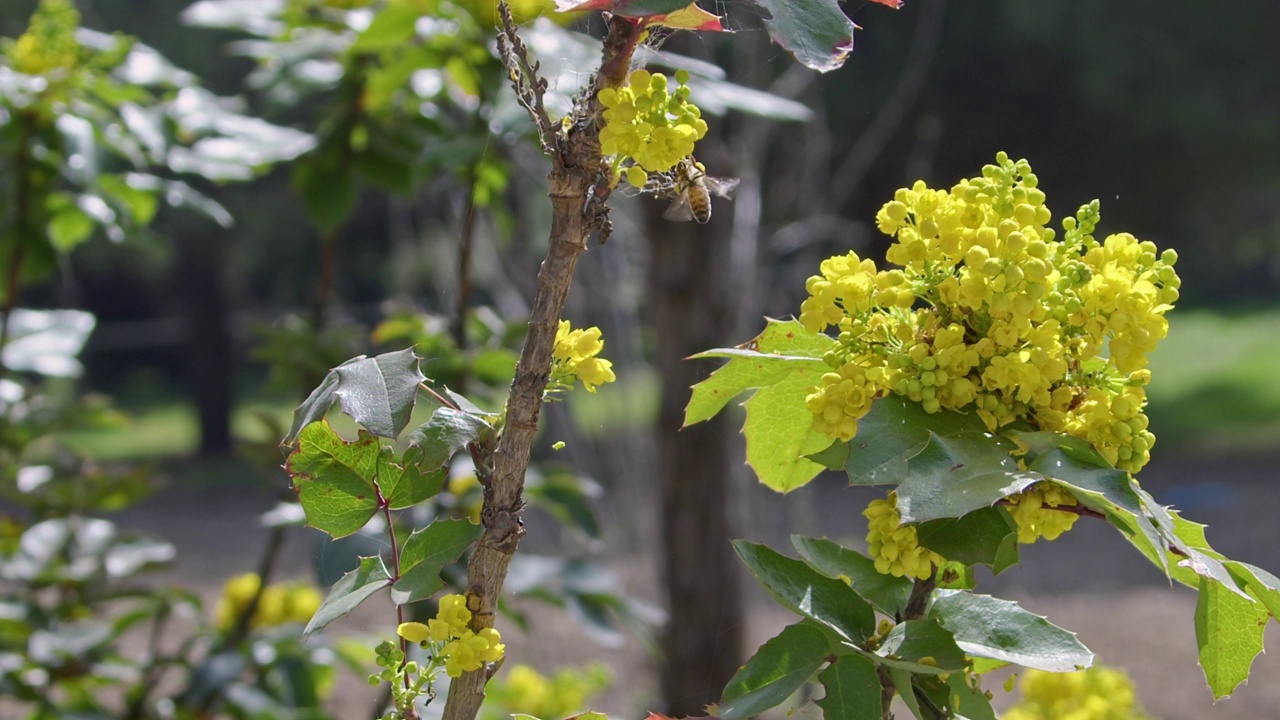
[1216, 382]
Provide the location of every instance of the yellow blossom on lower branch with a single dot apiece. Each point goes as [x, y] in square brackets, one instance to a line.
[893, 546]
[1099, 693]
[576, 357]
[450, 639]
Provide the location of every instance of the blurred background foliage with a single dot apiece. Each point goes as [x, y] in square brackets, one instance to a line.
[1164, 111]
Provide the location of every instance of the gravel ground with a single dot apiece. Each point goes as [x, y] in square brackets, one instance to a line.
[1090, 581]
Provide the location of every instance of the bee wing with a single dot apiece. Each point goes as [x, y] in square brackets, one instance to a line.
[679, 210]
[724, 187]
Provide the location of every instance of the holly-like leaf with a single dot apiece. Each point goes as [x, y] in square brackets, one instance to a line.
[816, 32]
[921, 646]
[894, 431]
[852, 690]
[783, 364]
[987, 627]
[757, 363]
[969, 702]
[447, 432]
[334, 478]
[887, 593]
[975, 538]
[1258, 583]
[902, 683]
[1229, 632]
[425, 554]
[779, 432]
[953, 476]
[626, 8]
[354, 588]
[780, 667]
[689, 18]
[408, 486]
[804, 591]
[378, 392]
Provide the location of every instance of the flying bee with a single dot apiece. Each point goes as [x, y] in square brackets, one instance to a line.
[693, 189]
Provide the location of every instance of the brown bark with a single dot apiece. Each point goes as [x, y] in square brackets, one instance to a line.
[702, 642]
[577, 195]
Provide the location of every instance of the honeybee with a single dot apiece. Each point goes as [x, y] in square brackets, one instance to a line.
[693, 189]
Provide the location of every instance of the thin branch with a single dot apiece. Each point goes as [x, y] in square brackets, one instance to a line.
[578, 186]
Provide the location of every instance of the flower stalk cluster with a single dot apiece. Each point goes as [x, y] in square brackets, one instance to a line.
[648, 127]
[992, 312]
[576, 357]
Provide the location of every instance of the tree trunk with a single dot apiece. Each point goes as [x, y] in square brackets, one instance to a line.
[207, 346]
[702, 642]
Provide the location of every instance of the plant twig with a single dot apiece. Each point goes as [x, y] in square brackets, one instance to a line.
[22, 225]
[578, 186]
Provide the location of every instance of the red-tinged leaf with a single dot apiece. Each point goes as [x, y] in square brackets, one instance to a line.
[895, 4]
[690, 18]
[625, 8]
[816, 32]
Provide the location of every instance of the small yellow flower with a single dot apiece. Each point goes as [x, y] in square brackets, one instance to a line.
[414, 632]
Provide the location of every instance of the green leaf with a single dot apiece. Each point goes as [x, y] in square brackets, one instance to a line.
[1001, 630]
[334, 478]
[953, 476]
[893, 432]
[1258, 583]
[804, 591]
[390, 28]
[1075, 464]
[141, 202]
[447, 432]
[407, 486]
[379, 392]
[783, 364]
[852, 688]
[921, 646]
[328, 192]
[816, 32]
[314, 408]
[425, 554]
[969, 702]
[779, 431]
[902, 683]
[834, 457]
[976, 538]
[1229, 632]
[886, 593]
[68, 227]
[780, 667]
[759, 363]
[354, 588]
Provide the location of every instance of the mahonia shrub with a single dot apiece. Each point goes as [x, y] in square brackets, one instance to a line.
[452, 644]
[992, 312]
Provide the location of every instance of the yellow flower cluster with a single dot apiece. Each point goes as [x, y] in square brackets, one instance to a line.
[453, 640]
[524, 690]
[991, 313]
[278, 604]
[49, 43]
[893, 546]
[649, 124]
[1033, 510]
[1099, 693]
[575, 357]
